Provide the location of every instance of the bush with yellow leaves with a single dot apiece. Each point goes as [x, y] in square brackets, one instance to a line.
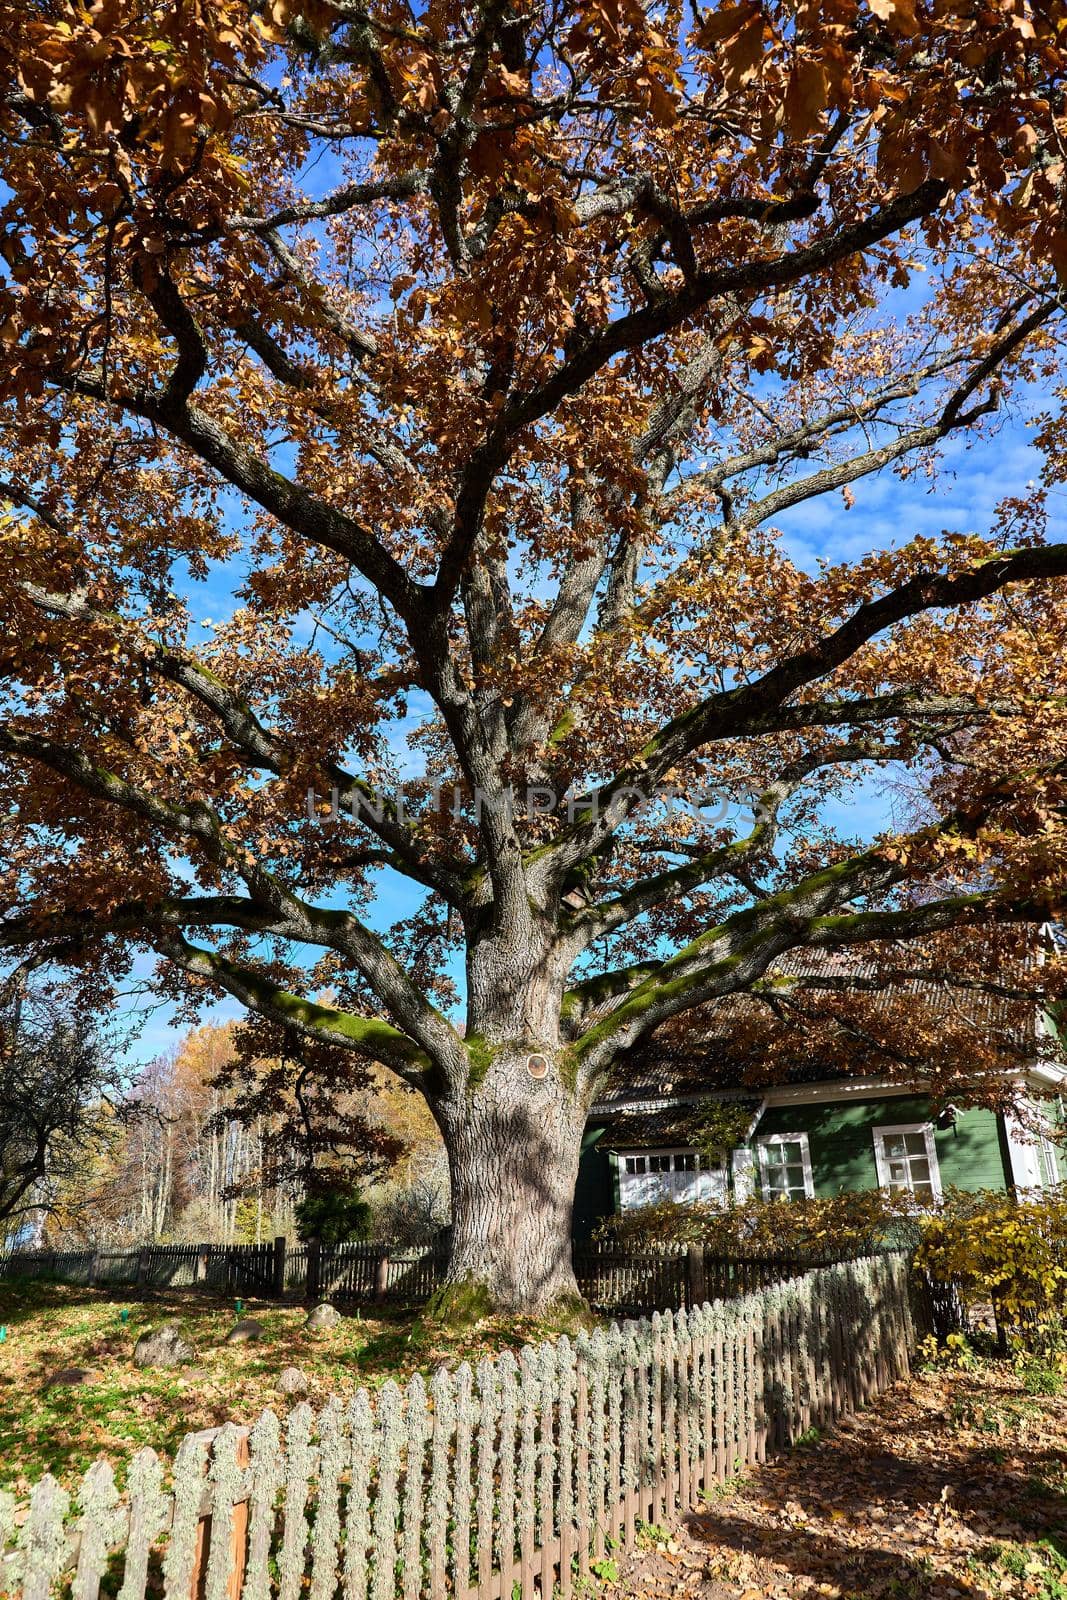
[1000, 1251]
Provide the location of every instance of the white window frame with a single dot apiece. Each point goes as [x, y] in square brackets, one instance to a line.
[1032, 1151]
[764, 1142]
[882, 1164]
[1047, 1163]
[1050, 1167]
[634, 1181]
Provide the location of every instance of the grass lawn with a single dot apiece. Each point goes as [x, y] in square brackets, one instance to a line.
[118, 1408]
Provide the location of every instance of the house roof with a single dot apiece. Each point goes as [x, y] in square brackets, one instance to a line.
[715, 1046]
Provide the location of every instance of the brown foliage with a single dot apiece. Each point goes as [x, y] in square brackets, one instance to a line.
[472, 357]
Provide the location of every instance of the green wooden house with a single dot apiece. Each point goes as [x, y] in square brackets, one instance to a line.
[822, 1127]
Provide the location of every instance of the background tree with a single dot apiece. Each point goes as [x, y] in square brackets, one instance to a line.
[211, 1142]
[468, 356]
[333, 1211]
[61, 1098]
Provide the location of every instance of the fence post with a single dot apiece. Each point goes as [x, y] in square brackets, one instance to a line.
[697, 1290]
[93, 1259]
[381, 1276]
[200, 1270]
[314, 1272]
[278, 1267]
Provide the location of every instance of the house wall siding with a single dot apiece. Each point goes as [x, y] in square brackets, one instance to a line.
[841, 1138]
[594, 1194]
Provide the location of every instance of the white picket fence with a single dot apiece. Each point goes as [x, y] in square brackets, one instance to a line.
[509, 1480]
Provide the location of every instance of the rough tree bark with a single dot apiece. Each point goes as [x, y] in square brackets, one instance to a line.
[513, 1144]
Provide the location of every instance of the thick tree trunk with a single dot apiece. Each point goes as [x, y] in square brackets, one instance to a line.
[513, 1148]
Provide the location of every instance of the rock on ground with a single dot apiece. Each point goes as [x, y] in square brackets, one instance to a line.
[322, 1316]
[292, 1381]
[162, 1347]
[246, 1331]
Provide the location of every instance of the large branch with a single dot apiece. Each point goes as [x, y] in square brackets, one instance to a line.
[753, 708]
[340, 931]
[294, 506]
[742, 949]
[367, 1037]
[348, 198]
[955, 415]
[253, 740]
[726, 860]
[654, 448]
[637, 328]
[76, 929]
[673, 417]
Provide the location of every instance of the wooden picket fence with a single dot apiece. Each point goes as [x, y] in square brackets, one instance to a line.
[247, 1269]
[615, 1280]
[505, 1482]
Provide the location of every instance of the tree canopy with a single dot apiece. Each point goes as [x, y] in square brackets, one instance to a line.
[473, 355]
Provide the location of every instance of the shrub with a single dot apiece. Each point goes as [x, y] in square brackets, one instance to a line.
[333, 1215]
[1002, 1252]
[835, 1225]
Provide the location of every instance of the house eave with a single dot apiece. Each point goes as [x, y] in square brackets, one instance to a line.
[1042, 1074]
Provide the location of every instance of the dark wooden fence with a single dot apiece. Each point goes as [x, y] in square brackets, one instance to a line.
[623, 1282]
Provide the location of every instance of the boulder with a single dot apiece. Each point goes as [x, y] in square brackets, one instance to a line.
[322, 1316]
[291, 1381]
[246, 1331]
[162, 1347]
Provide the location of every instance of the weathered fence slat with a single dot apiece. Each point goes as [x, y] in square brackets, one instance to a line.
[528, 1398]
[265, 1452]
[97, 1529]
[226, 1539]
[581, 1431]
[630, 1437]
[357, 1515]
[509, 1414]
[414, 1458]
[43, 1541]
[293, 1557]
[332, 1462]
[180, 1558]
[461, 1491]
[442, 1391]
[485, 1471]
[565, 1390]
[386, 1514]
[548, 1377]
[149, 1508]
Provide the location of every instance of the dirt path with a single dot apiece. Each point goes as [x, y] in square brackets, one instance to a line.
[954, 1484]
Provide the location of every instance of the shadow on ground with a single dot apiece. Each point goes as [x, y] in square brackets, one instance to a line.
[954, 1485]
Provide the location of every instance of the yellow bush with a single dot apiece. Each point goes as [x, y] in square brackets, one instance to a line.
[1003, 1252]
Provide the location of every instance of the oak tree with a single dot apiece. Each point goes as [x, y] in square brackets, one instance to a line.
[466, 358]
